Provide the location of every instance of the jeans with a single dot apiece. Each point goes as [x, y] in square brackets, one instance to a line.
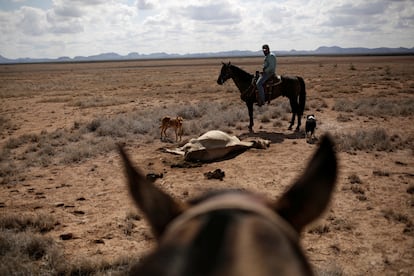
[262, 79]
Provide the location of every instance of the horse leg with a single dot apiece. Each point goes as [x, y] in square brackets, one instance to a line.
[292, 121]
[294, 105]
[299, 122]
[250, 109]
[162, 131]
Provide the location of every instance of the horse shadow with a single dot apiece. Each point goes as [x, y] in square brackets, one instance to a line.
[296, 135]
[273, 137]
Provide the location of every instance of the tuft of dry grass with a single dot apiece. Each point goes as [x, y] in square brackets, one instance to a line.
[342, 118]
[316, 104]
[23, 250]
[354, 179]
[330, 270]
[38, 222]
[371, 140]
[5, 124]
[26, 250]
[319, 229]
[376, 106]
[393, 216]
[396, 217]
[340, 224]
[27, 253]
[98, 101]
[98, 136]
[410, 190]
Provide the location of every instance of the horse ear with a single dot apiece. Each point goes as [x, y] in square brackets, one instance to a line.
[229, 63]
[310, 194]
[159, 208]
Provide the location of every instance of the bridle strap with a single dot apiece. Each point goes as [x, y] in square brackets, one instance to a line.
[241, 202]
[227, 76]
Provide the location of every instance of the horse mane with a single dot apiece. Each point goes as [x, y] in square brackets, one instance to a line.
[240, 72]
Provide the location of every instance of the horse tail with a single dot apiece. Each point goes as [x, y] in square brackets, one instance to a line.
[302, 96]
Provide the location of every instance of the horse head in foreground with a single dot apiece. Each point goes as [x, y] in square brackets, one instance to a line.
[233, 232]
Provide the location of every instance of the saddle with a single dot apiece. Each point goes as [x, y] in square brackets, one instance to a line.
[268, 85]
[252, 91]
[272, 81]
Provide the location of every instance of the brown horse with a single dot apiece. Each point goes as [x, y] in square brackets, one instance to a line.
[232, 232]
[292, 87]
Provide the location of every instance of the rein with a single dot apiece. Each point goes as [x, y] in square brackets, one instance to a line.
[236, 75]
[239, 202]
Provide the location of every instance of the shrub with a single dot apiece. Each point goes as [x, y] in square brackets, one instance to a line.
[93, 125]
[330, 270]
[374, 139]
[5, 123]
[14, 143]
[38, 222]
[319, 229]
[343, 118]
[88, 139]
[98, 101]
[396, 217]
[354, 179]
[21, 252]
[376, 107]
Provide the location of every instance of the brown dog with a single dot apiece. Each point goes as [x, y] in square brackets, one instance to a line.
[176, 123]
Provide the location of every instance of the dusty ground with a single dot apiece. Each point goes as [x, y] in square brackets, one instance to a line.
[368, 230]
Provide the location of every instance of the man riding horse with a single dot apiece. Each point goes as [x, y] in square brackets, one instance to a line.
[269, 68]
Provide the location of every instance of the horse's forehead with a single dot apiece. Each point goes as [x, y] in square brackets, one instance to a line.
[236, 234]
[218, 193]
[247, 232]
[226, 66]
[233, 203]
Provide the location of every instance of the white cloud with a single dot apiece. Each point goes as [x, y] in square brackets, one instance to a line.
[221, 13]
[33, 21]
[68, 11]
[86, 27]
[146, 4]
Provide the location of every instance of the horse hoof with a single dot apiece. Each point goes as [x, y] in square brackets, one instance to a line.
[290, 128]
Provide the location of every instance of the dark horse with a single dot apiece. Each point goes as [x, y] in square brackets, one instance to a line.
[292, 87]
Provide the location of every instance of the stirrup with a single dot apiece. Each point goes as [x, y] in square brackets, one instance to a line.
[260, 103]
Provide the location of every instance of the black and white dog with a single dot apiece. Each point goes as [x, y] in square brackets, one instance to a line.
[310, 126]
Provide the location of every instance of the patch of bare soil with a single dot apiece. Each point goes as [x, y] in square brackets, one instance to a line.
[368, 229]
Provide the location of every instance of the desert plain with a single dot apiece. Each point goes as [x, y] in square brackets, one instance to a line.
[64, 203]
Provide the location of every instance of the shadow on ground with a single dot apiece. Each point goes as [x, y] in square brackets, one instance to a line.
[274, 137]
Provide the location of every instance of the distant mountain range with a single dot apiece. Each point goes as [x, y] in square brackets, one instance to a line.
[334, 50]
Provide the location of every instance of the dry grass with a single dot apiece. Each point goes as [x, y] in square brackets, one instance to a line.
[373, 106]
[26, 253]
[397, 217]
[376, 139]
[60, 123]
[100, 135]
[26, 249]
[98, 101]
[39, 222]
[23, 249]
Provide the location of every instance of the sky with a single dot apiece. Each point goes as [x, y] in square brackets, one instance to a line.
[56, 28]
